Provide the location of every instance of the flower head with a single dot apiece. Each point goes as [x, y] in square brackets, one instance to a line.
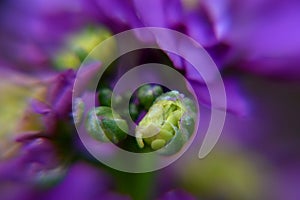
[168, 123]
[47, 159]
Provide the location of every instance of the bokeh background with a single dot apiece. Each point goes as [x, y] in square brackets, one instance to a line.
[255, 44]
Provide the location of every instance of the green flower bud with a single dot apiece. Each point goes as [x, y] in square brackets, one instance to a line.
[105, 97]
[134, 111]
[67, 59]
[168, 124]
[147, 94]
[78, 110]
[102, 125]
[80, 45]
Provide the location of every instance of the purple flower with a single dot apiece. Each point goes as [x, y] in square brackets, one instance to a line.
[57, 100]
[217, 25]
[31, 31]
[251, 36]
[34, 156]
[54, 104]
[264, 37]
[82, 181]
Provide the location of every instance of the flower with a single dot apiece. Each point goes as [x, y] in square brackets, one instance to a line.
[147, 94]
[83, 181]
[47, 158]
[32, 30]
[264, 37]
[104, 126]
[168, 124]
[34, 157]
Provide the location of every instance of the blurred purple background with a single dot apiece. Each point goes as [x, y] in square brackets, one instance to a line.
[256, 46]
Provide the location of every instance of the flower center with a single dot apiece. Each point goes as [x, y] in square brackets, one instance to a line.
[160, 123]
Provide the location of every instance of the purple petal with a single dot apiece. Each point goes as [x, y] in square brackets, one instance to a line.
[40, 107]
[31, 31]
[173, 12]
[154, 18]
[121, 12]
[63, 105]
[34, 156]
[59, 84]
[200, 28]
[81, 182]
[186, 48]
[86, 75]
[50, 122]
[177, 195]
[236, 102]
[265, 37]
[18, 191]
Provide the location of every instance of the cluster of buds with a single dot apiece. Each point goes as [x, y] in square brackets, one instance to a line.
[167, 125]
